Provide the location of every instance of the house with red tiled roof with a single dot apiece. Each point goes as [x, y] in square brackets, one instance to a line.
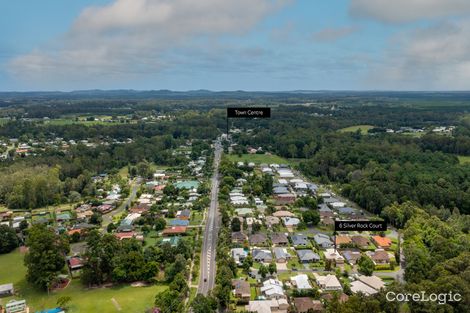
[128, 235]
[174, 230]
[382, 242]
[342, 240]
[75, 263]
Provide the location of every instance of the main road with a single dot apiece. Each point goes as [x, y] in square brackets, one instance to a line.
[207, 271]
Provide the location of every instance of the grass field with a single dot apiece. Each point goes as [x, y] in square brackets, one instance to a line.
[464, 159]
[127, 298]
[258, 158]
[124, 172]
[353, 129]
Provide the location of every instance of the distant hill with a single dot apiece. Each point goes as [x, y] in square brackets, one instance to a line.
[237, 94]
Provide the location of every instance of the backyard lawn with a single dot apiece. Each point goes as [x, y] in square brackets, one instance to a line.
[104, 300]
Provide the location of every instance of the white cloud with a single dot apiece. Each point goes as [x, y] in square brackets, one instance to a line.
[130, 37]
[433, 58]
[399, 11]
[333, 34]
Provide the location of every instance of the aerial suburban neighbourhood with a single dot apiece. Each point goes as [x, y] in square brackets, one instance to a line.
[172, 216]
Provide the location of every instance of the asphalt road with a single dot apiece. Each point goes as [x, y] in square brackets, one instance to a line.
[208, 270]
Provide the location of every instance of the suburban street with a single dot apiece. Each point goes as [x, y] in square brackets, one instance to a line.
[108, 218]
[208, 266]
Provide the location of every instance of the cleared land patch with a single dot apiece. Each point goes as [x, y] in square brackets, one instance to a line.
[352, 129]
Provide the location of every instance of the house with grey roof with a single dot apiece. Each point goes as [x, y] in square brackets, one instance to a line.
[281, 254]
[323, 240]
[262, 255]
[346, 211]
[280, 190]
[307, 256]
[299, 240]
[351, 256]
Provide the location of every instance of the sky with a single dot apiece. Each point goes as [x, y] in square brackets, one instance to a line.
[254, 45]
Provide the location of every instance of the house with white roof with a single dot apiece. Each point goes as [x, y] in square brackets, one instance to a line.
[268, 306]
[333, 255]
[239, 255]
[328, 282]
[290, 222]
[273, 289]
[367, 285]
[301, 281]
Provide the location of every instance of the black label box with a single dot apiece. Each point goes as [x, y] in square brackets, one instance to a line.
[249, 112]
[360, 226]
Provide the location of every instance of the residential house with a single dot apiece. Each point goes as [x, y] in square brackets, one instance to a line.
[323, 207]
[351, 256]
[174, 230]
[283, 213]
[337, 204]
[284, 198]
[271, 221]
[258, 239]
[268, 306]
[280, 190]
[333, 256]
[346, 211]
[290, 222]
[358, 286]
[279, 239]
[262, 255]
[128, 235]
[368, 285]
[329, 199]
[328, 221]
[273, 289]
[307, 256]
[299, 240]
[307, 305]
[382, 242]
[342, 240]
[238, 237]
[372, 281]
[63, 217]
[360, 241]
[130, 218]
[184, 214]
[379, 256]
[281, 254]
[241, 289]
[301, 281]
[323, 240]
[7, 290]
[75, 263]
[178, 222]
[244, 212]
[239, 255]
[328, 282]
[173, 241]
